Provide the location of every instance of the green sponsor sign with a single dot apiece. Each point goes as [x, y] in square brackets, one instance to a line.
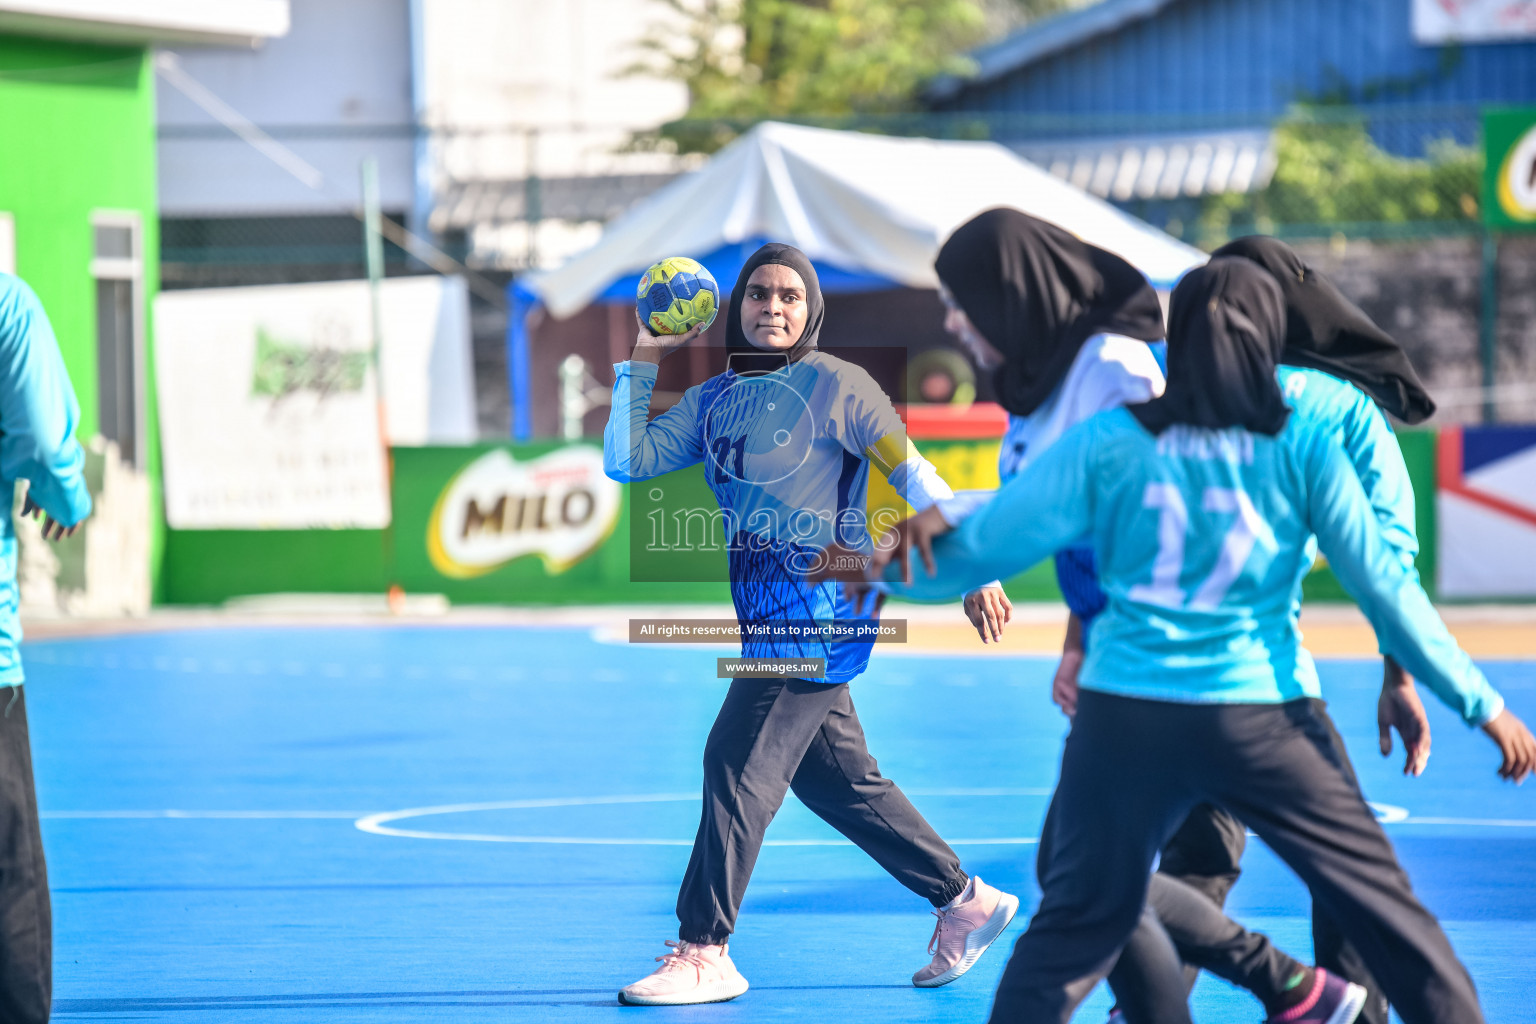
[525, 524]
[1509, 172]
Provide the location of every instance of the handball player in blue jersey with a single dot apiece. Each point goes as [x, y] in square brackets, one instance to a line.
[786, 437]
[1202, 507]
[1067, 330]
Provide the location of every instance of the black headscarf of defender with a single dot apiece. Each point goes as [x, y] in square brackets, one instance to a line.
[1226, 329]
[743, 356]
[1325, 331]
[1037, 292]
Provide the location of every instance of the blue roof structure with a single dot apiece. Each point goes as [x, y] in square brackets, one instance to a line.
[1234, 58]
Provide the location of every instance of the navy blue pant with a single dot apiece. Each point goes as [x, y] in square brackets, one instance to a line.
[1131, 772]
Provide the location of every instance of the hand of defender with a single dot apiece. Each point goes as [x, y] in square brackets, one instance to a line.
[867, 599]
[52, 530]
[653, 348]
[1399, 708]
[1516, 743]
[988, 608]
[916, 531]
[1064, 684]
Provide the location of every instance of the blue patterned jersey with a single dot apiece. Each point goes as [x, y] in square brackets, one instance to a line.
[787, 455]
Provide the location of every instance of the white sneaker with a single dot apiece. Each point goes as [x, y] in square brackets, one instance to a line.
[691, 973]
[966, 928]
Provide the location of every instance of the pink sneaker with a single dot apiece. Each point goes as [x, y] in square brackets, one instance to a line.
[691, 973]
[966, 928]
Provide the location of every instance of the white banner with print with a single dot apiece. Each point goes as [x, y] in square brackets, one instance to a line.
[268, 403]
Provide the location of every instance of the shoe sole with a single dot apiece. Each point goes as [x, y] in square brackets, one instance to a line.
[720, 992]
[977, 942]
[1349, 1009]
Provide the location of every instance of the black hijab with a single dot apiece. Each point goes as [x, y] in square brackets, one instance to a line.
[745, 357]
[1325, 331]
[1037, 293]
[1226, 329]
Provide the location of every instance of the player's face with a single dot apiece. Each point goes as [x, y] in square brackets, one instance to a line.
[959, 326]
[774, 309]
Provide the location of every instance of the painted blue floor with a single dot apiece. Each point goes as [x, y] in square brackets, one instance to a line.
[201, 792]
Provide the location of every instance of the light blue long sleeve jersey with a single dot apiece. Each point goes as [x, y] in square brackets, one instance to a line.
[38, 414]
[1203, 537]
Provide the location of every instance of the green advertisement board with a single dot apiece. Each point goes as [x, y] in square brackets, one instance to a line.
[1509, 171]
[540, 524]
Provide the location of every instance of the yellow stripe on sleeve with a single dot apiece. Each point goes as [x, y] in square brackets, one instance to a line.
[891, 451]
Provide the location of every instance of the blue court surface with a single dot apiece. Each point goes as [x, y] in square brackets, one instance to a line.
[456, 823]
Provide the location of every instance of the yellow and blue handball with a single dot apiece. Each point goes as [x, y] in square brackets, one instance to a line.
[677, 295]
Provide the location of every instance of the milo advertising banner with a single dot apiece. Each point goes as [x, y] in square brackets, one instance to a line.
[1509, 174]
[524, 524]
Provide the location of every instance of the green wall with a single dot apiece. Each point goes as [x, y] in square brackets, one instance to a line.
[209, 566]
[77, 135]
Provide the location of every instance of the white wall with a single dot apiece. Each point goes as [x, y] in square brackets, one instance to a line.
[343, 63]
[497, 63]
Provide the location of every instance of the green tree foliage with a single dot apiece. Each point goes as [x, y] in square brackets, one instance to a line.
[745, 60]
[1331, 173]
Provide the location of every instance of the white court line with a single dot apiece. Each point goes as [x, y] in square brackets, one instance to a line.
[380, 823]
[211, 815]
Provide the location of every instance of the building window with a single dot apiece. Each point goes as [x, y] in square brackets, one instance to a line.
[118, 267]
[7, 243]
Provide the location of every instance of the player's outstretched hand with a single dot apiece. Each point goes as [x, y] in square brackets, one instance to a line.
[1399, 708]
[653, 348]
[52, 530]
[866, 598]
[988, 608]
[1516, 744]
[916, 531]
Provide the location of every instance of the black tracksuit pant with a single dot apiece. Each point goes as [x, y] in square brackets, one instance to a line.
[1180, 932]
[1131, 772]
[26, 917]
[1207, 853]
[775, 735]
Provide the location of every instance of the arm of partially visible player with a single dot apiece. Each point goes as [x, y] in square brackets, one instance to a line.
[38, 411]
[1408, 628]
[1042, 509]
[636, 450]
[1378, 462]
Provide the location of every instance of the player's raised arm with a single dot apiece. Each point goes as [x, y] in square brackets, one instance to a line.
[634, 449]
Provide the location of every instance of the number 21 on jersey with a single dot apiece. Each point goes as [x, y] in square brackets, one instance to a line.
[1247, 529]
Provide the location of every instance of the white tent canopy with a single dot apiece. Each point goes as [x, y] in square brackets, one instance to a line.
[863, 203]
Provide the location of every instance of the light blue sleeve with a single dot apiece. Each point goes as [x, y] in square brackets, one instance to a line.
[1042, 509]
[1378, 462]
[636, 450]
[1407, 626]
[38, 411]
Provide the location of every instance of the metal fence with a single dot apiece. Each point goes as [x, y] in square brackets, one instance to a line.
[514, 196]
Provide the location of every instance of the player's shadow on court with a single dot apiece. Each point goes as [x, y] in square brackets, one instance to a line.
[604, 997]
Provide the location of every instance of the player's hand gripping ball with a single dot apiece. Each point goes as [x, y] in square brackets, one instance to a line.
[677, 295]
